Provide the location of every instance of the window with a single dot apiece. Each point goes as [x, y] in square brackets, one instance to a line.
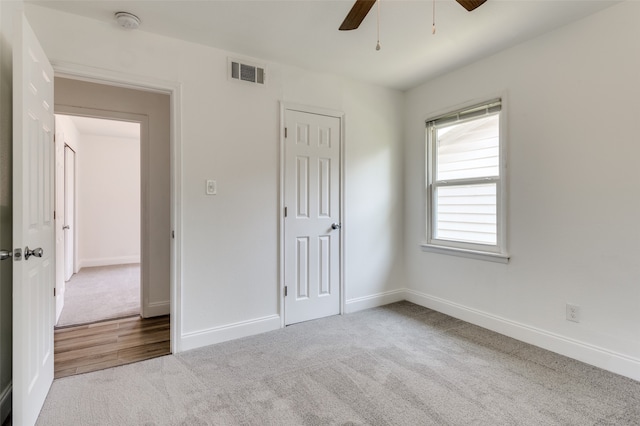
[465, 187]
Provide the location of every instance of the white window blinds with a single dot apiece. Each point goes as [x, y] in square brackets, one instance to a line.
[464, 176]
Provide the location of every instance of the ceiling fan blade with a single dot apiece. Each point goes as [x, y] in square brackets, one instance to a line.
[471, 4]
[357, 14]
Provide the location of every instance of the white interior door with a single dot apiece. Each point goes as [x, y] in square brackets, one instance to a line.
[312, 223]
[69, 211]
[33, 225]
[59, 221]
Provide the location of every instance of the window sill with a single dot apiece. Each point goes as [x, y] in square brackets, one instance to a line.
[471, 254]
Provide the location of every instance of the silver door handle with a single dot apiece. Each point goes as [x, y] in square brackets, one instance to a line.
[66, 227]
[336, 225]
[35, 252]
[5, 254]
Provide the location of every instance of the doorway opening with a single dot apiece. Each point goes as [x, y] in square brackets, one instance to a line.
[122, 248]
[98, 197]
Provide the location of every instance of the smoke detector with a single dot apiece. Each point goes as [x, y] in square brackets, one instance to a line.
[127, 20]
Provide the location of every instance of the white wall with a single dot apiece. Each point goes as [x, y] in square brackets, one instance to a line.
[375, 202]
[108, 199]
[230, 133]
[573, 101]
[6, 287]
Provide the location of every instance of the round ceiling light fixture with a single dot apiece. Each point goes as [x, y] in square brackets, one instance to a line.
[127, 20]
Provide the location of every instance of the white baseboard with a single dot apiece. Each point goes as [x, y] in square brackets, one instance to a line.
[156, 309]
[108, 261]
[223, 333]
[374, 300]
[581, 351]
[5, 402]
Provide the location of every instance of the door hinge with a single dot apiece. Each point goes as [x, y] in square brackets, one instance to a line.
[285, 212]
[54, 215]
[173, 234]
[285, 132]
[285, 291]
[54, 292]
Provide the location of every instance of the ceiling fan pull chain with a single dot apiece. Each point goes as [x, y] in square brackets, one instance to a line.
[378, 44]
[433, 28]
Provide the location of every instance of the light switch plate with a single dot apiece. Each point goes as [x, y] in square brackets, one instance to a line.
[212, 187]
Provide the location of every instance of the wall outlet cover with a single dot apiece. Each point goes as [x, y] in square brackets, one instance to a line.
[573, 312]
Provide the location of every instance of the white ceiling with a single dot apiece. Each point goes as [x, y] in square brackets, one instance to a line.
[102, 127]
[305, 33]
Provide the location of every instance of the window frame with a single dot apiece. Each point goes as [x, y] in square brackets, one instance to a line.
[497, 252]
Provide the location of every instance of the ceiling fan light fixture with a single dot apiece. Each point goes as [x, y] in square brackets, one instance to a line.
[127, 20]
[361, 8]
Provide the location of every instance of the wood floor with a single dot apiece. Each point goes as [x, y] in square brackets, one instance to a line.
[91, 347]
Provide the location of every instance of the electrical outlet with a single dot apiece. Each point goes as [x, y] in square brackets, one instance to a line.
[573, 312]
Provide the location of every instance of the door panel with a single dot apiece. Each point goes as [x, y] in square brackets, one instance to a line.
[69, 211]
[33, 225]
[312, 196]
[59, 221]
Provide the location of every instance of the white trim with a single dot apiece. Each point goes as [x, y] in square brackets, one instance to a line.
[343, 216]
[174, 89]
[223, 333]
[5, 402]
[312, 110]
[280, 215]
[106, 261]
[156, 309]
[113, 78]
[176, 219]
[284, 106]
[471, 254]
[591, 354]
[375, 300]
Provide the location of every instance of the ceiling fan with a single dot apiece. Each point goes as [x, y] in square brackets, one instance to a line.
[360, 9]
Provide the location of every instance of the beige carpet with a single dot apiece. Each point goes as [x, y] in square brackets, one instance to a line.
[100, 293]
[396, 365]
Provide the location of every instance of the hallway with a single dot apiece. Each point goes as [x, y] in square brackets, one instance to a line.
[101, 293]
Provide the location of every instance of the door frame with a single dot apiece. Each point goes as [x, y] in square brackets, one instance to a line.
[74, 260]
[288, 106]
[174, 90]
[59, 234]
